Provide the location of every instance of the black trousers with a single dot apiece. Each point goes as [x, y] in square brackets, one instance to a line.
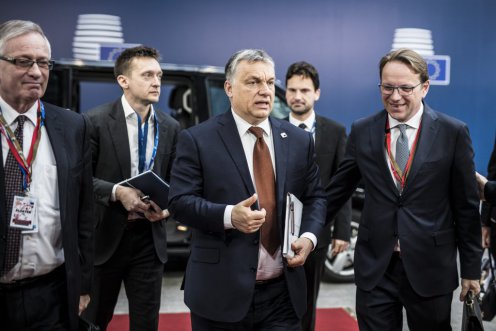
[382, 308]
[136, 264]
[314, 267]
[38, 303]
[271, 310]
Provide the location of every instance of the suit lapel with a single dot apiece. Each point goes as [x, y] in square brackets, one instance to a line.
[377, 142]
[162, 142]
[428, 132]
[118, 133]
[229, 135]
[281, 157]
[320, 128]
[55, 130]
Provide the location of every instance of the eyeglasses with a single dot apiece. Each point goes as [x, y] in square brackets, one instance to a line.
[402, 90]
[28, 63]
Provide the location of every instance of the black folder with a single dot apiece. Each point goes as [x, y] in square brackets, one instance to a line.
[152, 185]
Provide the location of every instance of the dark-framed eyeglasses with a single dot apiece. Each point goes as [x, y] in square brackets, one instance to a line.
[22, 62]
[402, 90]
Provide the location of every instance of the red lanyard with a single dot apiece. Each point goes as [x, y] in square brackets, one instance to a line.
[15, 147]
[398, 174]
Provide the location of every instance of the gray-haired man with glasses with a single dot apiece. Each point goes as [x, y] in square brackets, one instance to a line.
[421, 206]
[46, 196]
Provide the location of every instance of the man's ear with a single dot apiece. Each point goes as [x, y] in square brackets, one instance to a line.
[123, 81]
[317, 94]
[228, 88]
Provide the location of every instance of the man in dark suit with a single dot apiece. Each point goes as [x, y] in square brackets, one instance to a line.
[420, 208]
[302, 90]
[45, 266]
[129, 137]
[237, 278]
[487, 192]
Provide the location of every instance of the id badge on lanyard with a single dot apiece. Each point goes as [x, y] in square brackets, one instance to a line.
[25, 207]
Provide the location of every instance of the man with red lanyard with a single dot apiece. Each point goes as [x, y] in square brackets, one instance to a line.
[46, 208]
[421, 204]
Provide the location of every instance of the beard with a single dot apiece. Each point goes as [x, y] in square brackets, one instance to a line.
[301, 110]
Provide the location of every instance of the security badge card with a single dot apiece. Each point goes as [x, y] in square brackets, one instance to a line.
[24, 214]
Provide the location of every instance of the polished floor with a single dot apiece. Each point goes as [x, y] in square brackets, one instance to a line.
[331, 295]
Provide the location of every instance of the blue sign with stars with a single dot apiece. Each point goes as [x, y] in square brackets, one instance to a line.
[439, 69]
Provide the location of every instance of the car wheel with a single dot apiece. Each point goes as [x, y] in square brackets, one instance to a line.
[339, 268]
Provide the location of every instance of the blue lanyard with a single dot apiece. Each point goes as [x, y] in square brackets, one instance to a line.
[142, 142]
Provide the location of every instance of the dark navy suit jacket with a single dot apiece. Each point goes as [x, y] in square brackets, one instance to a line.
[211, 172]
[436, 216]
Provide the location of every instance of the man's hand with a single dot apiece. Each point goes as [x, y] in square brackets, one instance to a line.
[481, 182]
[84, 300]
[302, 248]
[469, 284]
[486, 236]
[155, 213]
[130, 199]
[246, 220]
[339, 246]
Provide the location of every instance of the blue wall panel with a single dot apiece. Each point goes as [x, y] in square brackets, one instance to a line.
[343, 39]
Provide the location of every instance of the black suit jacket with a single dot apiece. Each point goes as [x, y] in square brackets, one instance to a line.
[211, 172]
[68, 134]
[330, 143]
[490, 192]
[488, 211]
[112, 164]
[436, 216]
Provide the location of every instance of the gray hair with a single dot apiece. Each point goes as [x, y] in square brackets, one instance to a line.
[15, 28]
[249, 55]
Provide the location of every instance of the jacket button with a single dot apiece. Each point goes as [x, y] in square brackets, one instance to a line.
[255, 242]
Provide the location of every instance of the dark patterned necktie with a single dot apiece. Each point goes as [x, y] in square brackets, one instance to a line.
[303, 126]
[402, 149]
[266, 190]
[13, 187]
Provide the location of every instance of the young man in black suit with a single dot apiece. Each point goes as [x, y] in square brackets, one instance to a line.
[421, 206]
[45, 266]
[302, 91]
[128, 137]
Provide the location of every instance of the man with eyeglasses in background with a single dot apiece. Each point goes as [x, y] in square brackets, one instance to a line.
[46, 207]
[421, 204]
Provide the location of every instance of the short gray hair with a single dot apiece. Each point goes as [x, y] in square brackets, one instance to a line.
[249, 55]
[15, 28]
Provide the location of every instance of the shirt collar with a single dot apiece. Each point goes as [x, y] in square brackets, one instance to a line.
[413, 122]
[308, 122]
[129, 111]
[10, 114]
[243, 125]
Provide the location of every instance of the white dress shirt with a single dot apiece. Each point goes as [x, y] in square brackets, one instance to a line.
[309, 122]
[132, 134]
[40, 252]
[411, 132]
